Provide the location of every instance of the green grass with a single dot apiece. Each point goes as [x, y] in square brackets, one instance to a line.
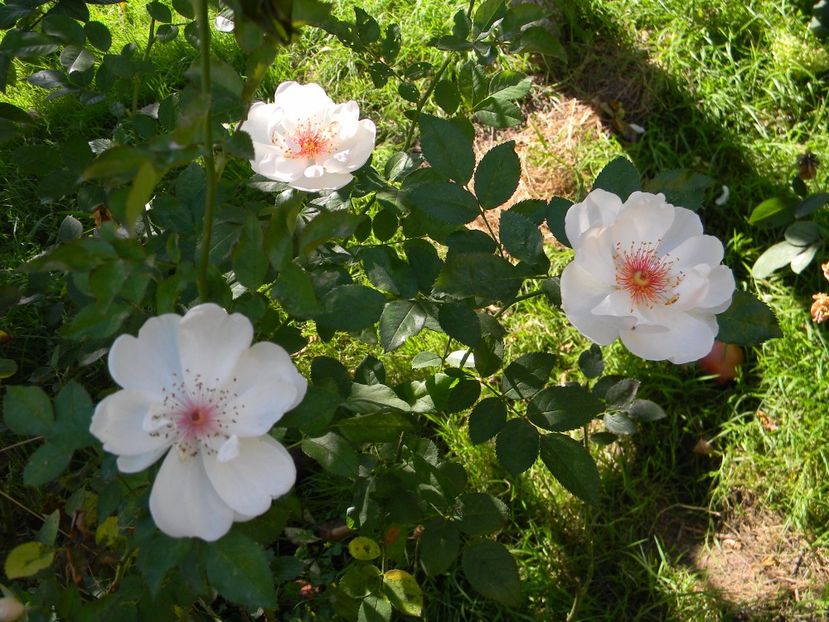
[730, 88]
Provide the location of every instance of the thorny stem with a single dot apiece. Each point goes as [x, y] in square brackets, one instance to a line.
[136, 81]
[584, 584]
[210, 166]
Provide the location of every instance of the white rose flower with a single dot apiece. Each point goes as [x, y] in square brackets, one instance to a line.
[196, 384]
[306, 140]
[644, 272]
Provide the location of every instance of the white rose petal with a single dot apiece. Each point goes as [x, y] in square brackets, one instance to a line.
[306, 140]
[644, 272]
[195, 388]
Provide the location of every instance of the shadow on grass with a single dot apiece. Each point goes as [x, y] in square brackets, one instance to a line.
[656, 515]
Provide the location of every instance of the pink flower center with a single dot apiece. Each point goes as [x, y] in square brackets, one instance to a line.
[646, 276]
[197, 421]
[311, 140]
[311, 144]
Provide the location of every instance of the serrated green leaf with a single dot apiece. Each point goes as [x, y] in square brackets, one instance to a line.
[403, 592]
[439, 546]
[620, 177]
[460, 322]
[443, 201]
[46, 464]
[447, 148]
[481, 514]
[517, 446]
[238, 568]
[73, 409]
[364, 549]
[158, 555]
[478, 274]
[774, 258]
[27, 410]
[334, 454]
[571, 465]
[747, 322]
[497, 175]
[492, 571]
[563, 408]
[486, 420]
[522, 239]
[526, 375]
[294, 289]
[401, 319]
[351, 307]
[372, 398]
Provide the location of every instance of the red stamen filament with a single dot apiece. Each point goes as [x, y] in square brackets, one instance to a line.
[645, 276]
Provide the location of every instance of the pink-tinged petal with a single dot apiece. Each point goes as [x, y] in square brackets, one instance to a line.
[210, 344]
[270, 162]
[598, 209]
[326, 181]
[721, 288]
[302, 101]
[686, 225]
[184, 503]
[147, 362]
[692, 289]
[687, 337]
[267, 385]
[260, 118]
[580, 293]
[701, 249]
[139, 462]
[262, 471]
[118, 422]
[362, 144]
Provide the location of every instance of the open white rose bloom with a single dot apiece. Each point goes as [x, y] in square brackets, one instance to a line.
[195, 388]
[306, 140]
[644, 272]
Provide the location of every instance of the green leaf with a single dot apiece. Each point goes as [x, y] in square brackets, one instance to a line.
[772, 212]
[571, 465]
[556, 213]
[447, 148]
[539, 40]
[747, 322]
[98, 35]
[364, 549]
[499, 112]
[391, 43]
[447, 96]
[620, 177]
[249, 261]
[401, 319]
[522, 239]
[487, 419]
[460, 322]
[646, 410]
[802, 233]
[619, 423]
[48, 532]
[509, 84]
[388, 272]
[424, 261]
[472, 83]
[73, 408]
[526, 375]
[378, 427]
[486, 13]
[497, 175]
[517, 446]
[403, 592]
[492, 571]
[463, 395]
[158, 555]
[590, 362]
[184, 8]
[385, 224]
[439, 546]
[327, 226]
[294, 289]
[681, 187]
[27, 410]
[559, 409]
[26, 44]
[811, 204]
[314, 413]
[334, 454]
[481, 514]
[46, 464]
[238, 568]
[159, 12]
[443, 201]
[372, 398]
[775, 258]
[140, 193]
[351, 308]
[374, 608]
[64, 29]
[28, 559]
[479, 274]
[622, 393]
[8, 368]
